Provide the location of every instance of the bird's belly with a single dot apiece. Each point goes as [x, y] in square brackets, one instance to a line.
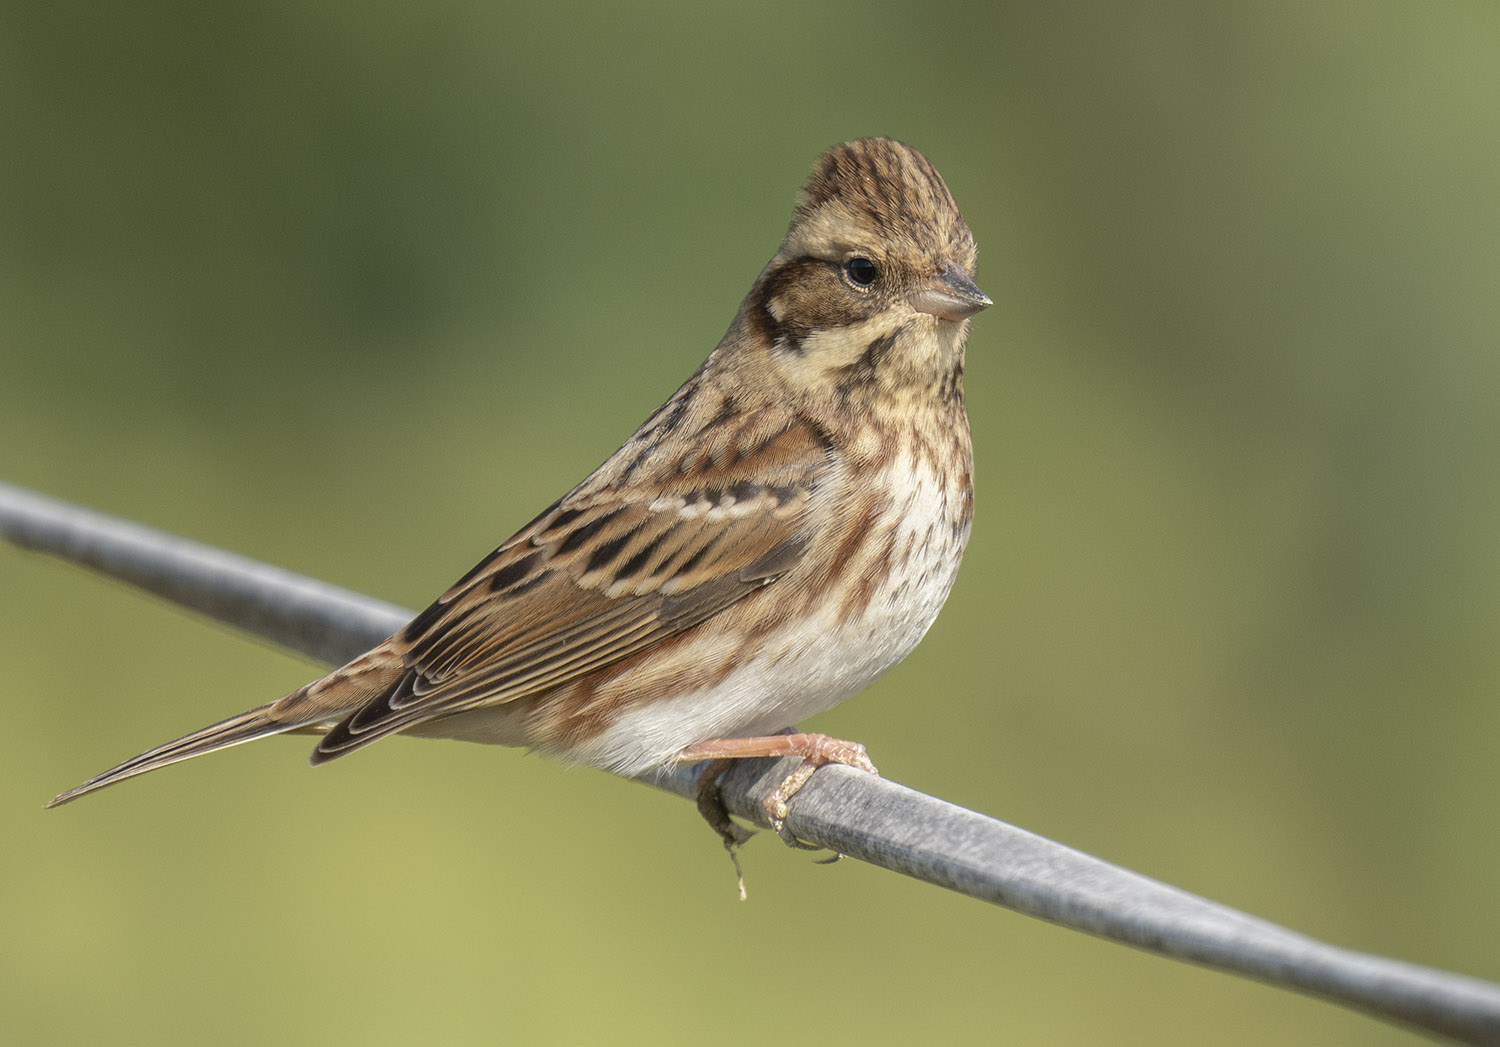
[841, 645]
[847, 628]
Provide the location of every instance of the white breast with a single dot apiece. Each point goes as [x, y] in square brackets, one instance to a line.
[812, 665]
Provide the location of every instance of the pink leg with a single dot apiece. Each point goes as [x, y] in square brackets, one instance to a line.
[815, 750]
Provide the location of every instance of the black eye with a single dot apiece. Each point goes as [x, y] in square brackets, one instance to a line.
[862, 271]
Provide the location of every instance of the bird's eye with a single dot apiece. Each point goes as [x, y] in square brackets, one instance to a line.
[861, 271]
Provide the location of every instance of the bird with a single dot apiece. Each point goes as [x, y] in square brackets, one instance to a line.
[777, 535]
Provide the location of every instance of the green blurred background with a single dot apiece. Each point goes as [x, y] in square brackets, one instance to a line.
[357, 288]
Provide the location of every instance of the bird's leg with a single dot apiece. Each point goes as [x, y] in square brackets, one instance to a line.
[815, 750]
[711, 806]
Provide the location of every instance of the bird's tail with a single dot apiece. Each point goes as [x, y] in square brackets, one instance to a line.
[246, 727]
[308, 710]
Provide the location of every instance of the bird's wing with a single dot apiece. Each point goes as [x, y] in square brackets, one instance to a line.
[606, 572]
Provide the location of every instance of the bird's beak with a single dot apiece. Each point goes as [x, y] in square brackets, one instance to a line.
[950, 295]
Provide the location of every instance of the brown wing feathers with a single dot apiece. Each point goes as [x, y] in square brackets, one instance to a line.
[586, 585]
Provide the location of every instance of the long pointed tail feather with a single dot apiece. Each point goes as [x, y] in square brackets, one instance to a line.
[246, 727]
[313, 708]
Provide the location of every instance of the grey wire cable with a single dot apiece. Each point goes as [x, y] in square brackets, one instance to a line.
[872, 819]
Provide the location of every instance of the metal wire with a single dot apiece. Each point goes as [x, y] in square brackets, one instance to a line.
[872, 819]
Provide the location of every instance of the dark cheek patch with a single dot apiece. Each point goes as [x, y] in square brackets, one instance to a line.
[808, 294]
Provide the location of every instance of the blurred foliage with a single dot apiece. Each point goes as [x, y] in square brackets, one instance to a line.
[357, 288]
